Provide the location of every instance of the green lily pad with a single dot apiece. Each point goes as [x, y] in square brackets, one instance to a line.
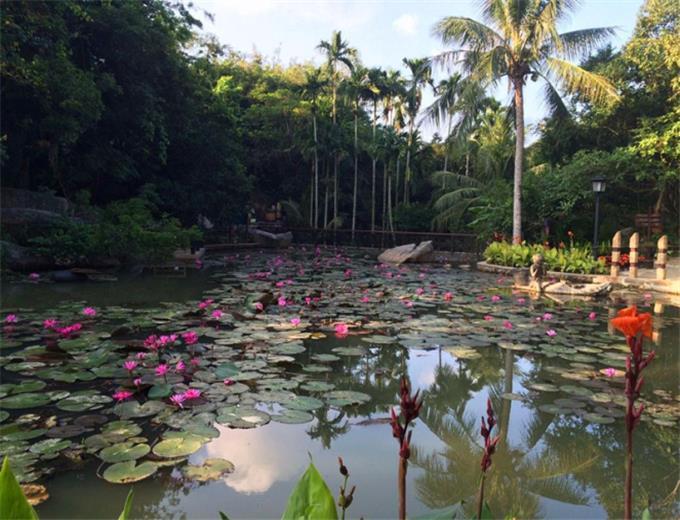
[83, 401]
[133, 409]
[25, 400]
[241, 417]
[124, 451]
[178, 446]
[160, 391]
[346, 398]
[128, 472]
[305, 403]
[211, 469]
[598, 418]
[317, 386]
[48, 446]
[349, 351]
[293, 417]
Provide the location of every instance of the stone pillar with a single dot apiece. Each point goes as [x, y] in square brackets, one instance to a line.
[657, 323]
[616, 254]
[661, 257]
[634, 244]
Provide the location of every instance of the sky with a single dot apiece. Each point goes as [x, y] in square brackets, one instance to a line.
[383, 31]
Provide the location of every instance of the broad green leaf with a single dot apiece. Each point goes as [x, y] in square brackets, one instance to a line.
[223, 516]
[646, 514]
[125, 514]
[311, 499]
[13, 505]
[486, 512]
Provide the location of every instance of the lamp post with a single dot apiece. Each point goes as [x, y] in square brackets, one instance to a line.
[599, 185]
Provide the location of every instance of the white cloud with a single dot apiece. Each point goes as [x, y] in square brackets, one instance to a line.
[406, 24]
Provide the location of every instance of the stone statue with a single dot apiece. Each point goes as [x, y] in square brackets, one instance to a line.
[536, 273]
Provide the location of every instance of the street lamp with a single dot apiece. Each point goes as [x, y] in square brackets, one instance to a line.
[599, 185]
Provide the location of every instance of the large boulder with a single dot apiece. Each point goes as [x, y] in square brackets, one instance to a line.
[422, 252]
[19, 258]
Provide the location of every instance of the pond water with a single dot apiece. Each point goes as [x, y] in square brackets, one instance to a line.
[297, 390]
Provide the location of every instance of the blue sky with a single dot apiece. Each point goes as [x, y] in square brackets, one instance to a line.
[384, 32]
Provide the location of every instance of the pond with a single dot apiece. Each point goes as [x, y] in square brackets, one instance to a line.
[278, 385]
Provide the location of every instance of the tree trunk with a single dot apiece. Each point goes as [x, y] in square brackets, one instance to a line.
[519, 160]
[325, 199]
[316, 177]
[396, 182]
[311, 199]
[335, 192]
[384, 197]
[356, 172]
[390, 220]
[373, 171]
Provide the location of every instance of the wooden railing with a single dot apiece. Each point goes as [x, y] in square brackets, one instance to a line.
[454, 242]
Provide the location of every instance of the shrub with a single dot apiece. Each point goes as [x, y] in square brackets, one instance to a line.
[575, 259]
[127, 231]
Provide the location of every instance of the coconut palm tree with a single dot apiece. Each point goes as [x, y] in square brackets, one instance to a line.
[421, 75]
[311, 90]
[443, 109]
[520, 40]
[338, 52]
[375, 91]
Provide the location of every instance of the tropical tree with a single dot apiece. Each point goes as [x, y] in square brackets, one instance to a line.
[311, 90]
[520, 40]
[375, 91]
[338, 52]
[421, 75]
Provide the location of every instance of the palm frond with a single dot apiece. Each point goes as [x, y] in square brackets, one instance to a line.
[554, 101]
[574, 44]
[574, 79]
[466, 33]
[560, 489]
[455, 179]
[454, 197]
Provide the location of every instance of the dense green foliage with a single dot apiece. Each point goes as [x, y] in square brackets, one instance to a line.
[572, 259]
[111, 100]
[125, 231]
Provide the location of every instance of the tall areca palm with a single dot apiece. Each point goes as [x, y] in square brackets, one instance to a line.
[338, 52]
[421, 74]
[312, 89]
[376, 83]
[442, 110]
[520, 40]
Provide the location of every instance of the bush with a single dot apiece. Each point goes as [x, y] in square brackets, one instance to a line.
[414, 217]
[574, 259]
[127, 231]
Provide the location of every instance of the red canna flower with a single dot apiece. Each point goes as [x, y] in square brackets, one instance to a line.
[630, 323]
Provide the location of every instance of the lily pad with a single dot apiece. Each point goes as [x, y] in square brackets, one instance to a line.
[124, 451]
[346, 398]
[178, 446]
[129, 471]
[211, 469]
[25, 400]
[293, 417]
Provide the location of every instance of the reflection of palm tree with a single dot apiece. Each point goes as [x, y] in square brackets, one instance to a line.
[518, 477]
[327, 428]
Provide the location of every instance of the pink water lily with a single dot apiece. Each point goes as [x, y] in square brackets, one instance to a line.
[122, 395]
[420, 291]
[164, 340]
[495, 298]
[205, 304]
[137, 381]
[34, 277]
[365, 299]
[341, 329]
[90, 312]
[280, 284]
[216, 314]
[348, 273]
[488, 318]
[592, 316]
[67, 331]
[130, 365]
[190, 337]
[194, 361]
[507, 325]
[547, 316]
[229, 382]
[551, 332]
[282, 301]
[192, 393]
[609, 372]
[295, 322]
[50, 323]
[11, 318]
[180, 366]
[480, 298]
[259, 307]
[178, 400]
[521, 301]
[308, 300]
[161, 369]
[140, 355]
[448, 296]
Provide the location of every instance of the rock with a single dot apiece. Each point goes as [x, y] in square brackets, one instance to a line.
[423, 252]
[265, 238]
[67, 276]
[19, 258]
[13, 218]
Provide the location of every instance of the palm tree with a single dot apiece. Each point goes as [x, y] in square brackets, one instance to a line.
[337, 52]
[421, 74]
[520, 40]
[376, 88]
[311, 90]
[493, 140]
[444, 107]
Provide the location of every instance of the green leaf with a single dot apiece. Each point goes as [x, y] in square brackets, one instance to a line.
[223, 516]
[13, 505]
[125, 514]
[486, 512]
[646, 514]
[311, 499]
